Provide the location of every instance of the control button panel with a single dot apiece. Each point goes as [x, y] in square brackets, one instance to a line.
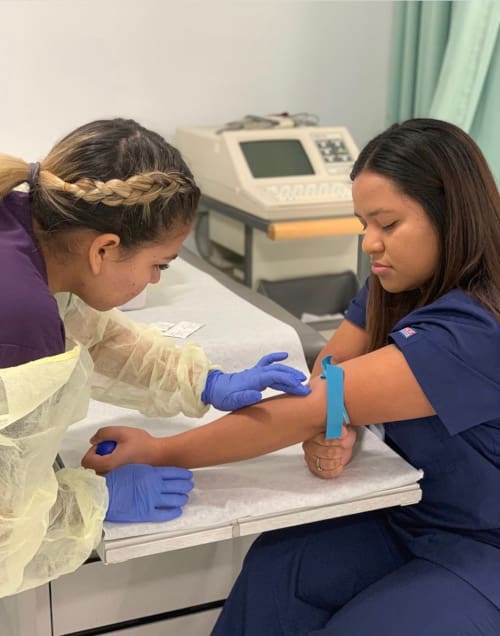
[333, 150]
[303, 193]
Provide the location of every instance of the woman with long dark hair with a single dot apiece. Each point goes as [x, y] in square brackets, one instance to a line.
[420, 352]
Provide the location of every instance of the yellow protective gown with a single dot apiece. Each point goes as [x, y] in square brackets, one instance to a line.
[134, 365]
[51, 521]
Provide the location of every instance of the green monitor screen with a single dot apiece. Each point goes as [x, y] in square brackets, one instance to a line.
[276, 158]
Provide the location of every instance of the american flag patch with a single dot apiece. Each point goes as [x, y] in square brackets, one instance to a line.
[407, 332]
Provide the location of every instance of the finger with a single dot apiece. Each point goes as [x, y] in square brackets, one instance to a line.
[95, 462]
[104, 463]
[323, 472]
[327, 464]
[319, 441]
[313, 448]
[174, 472]
[328, 459]
[105, 433]
[288, 371]
[285, 379]
[297, 389]
[330, 474]
[171, 500]
[179, 486]
[272, 357]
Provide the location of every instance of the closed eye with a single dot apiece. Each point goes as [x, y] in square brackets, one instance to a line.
[163, 266]
[391, 226]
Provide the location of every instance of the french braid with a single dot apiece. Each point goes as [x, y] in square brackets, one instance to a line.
[137, 190]
[114, 176]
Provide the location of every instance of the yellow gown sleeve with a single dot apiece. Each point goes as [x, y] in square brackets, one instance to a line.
[134, 365]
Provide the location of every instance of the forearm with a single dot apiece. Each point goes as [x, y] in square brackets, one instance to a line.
[265, 427]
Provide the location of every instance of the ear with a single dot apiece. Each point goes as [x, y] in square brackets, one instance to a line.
[102, 248]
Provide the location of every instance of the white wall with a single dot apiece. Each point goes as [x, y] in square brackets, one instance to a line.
[170, 63]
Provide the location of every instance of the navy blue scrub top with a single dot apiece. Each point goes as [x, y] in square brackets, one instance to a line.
[453, 348]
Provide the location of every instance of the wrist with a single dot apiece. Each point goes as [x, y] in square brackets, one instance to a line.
[168, 451]
[156, 452]
[317, 402]
[207, 393]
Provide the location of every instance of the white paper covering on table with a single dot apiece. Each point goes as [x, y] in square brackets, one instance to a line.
[235, 333]
[273, 484]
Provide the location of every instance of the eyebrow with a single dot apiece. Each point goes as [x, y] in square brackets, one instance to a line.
[375, 212]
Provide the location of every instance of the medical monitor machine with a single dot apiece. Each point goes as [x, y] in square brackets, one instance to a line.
[275, 174]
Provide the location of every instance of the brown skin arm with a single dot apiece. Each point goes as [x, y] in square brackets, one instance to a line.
[349, 341]
[265, 427]
[378, 387]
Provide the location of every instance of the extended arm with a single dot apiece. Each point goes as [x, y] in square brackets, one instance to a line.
[270, 425]
[379, 387]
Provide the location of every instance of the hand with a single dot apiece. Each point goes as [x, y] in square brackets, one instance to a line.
[140, 493]
[326, 458]
[133, 446]
[232, 391]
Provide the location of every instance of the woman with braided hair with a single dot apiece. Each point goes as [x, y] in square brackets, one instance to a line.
[106, 211]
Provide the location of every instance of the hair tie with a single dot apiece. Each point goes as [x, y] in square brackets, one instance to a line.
[33, 173]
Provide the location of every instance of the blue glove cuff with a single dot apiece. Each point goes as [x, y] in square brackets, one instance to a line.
[336, 413]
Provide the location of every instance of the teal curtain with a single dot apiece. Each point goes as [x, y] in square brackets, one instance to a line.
[446, 64]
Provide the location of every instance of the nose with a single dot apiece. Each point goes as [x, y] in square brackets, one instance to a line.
[372, 242]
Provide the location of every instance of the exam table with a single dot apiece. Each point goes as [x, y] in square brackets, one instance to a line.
[312, 341]
[171, 578]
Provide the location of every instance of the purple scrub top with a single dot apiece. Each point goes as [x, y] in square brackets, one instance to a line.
[30, 325]
[452, 347]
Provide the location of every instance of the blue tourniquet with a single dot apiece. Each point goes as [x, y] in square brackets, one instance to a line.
[336, 413]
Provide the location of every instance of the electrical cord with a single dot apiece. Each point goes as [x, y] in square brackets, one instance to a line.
[281, 120]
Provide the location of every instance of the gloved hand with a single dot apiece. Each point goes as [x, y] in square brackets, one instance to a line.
[232, 391]
[139, 492]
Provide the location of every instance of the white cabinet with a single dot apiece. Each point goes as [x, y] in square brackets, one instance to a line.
[99, 595]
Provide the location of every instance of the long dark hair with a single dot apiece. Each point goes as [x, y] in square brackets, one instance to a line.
[110, 176]
[442, 168]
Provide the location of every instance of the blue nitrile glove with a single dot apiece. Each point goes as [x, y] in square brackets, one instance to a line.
[139, 492]
[232, 391]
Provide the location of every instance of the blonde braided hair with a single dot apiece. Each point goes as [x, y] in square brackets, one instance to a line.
[140, 189]
[110, 176]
